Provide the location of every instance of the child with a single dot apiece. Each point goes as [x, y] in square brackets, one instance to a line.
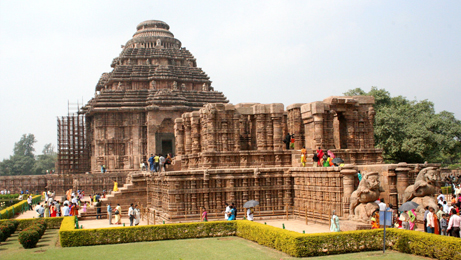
[444, 225]
[84, 208]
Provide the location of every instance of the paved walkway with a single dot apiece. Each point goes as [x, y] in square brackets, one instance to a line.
[297, 225]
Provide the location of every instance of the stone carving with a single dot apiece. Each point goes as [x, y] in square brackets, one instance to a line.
[152, 85]
[363, 199]
[205, 87]
[183, 87]
[421, 192]
[175, 85]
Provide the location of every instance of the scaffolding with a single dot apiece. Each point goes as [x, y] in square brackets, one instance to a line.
[73, 152]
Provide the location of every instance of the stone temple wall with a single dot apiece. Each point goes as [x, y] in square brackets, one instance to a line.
[90, 183]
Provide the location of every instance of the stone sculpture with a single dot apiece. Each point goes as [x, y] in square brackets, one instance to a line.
[363, 199]
[421, 192]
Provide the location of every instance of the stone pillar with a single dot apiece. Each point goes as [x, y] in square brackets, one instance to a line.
[318, 130]
[260, 132]
[402, 172]
[236, 137]
[179, 136]
[278, 133]
[187, 133]
[211, 130]
[348, 172]
[195, 131]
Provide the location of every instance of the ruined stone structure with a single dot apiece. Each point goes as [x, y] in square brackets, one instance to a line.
[154, 81]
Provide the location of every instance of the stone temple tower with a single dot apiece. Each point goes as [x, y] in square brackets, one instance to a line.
[154, 80]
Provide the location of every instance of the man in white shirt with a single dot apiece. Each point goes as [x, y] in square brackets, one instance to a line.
[227, 211]
[454, 224]
[29, 202]
[430, 221]
[131, 214]
[65, 210]
[440, 198]
[445, 207]
[74, 200]
[382, 205]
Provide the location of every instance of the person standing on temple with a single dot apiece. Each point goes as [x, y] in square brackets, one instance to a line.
[109, 213]
[131, 214]
[151, 162]
[320, 156]
[303, 156]
[161, 161]
[227, 211]
[98, 209]
[287, 141]
[292, 142]
[156, 163]
[315, 158]
[334, 227]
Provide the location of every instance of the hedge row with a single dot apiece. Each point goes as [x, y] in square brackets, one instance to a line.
[9, 196]
[30, 236]
[69, 236]
[7, 228]
[18, 207]
[292, 243]
[51, 223]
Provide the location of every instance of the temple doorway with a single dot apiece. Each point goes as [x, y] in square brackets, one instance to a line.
[340, 131]
[167, 147]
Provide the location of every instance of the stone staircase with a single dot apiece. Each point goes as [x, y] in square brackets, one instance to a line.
[296, 158]
[134, 191]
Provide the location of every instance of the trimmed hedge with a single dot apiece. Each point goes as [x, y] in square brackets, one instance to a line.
[18, 207]
[84, 237]
[51, 223]
[292, 243]
[425, 244]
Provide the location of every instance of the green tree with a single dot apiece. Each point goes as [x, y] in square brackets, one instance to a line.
[46, 160]
[411, 131]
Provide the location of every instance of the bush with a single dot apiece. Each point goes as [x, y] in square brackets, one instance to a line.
[28, 238]
[85, 237]
[9, 228]
[51, 223]
[16, 208]
[41, 221]
[425, 244]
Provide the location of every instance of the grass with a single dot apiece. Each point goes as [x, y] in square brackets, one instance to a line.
[205, 248]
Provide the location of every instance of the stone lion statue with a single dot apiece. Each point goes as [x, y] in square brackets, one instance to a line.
[424, 188]
[363, 199]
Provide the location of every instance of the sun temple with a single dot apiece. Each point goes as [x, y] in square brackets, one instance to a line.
[157, 101]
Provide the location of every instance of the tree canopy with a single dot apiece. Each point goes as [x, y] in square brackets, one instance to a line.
[24, 162]
[411, 131]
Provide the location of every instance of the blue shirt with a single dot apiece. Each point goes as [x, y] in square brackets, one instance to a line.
[109, 208]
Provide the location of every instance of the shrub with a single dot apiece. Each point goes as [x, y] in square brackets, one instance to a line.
[51, 223]
[84, 237]
[37, 227]
[16, 208]
[28, 238]
[9, 228]
[41, 221]
[3, 236]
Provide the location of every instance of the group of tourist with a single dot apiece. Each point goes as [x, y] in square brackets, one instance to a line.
[320, 158]
[157, 162]
[289, 141]
[4, 192]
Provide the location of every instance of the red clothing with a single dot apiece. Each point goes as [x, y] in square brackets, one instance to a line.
[320, 155]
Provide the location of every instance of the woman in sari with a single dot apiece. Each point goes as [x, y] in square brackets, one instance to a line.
[436, 225]
[52, 210]
[118, 215]
[331, 154]
[47, 211]
[375, 220]
[137, 215]
[412, 220]
[115, 185]
[303, 156]
[334, 223]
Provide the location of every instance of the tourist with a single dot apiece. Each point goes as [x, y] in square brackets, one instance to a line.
[109, 213]
[74, 210]
[115, 185]
[430, 225]
[412, 219]
[103, 169]
[156, 163]
[232, 213]
[204, 217]
[331, 154]
[445, 207]
[454, 224]
[320, 156]
[29, 202]
[444, 225]
[375, 220]
[40, 210]
[440, 198]
[98, 209]
[118, 214]
[66, 210]
[137, 215]
[292, 141]
[326, 160]
[84, 207]
[382, 205]
[303, 156]
[235, 210]
[440, 214]
[250, 212]
[168, 160]
[315, 158]
[52, 210]
[227, 211]
[425, 217]
[151, 163]
[287, 141]
[131, 214]
[58, 208]
[334, 227]
[162, 163]
[46, 214]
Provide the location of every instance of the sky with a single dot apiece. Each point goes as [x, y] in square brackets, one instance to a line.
[52, 53]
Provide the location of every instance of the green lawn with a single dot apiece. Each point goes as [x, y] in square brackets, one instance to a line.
[206, 248]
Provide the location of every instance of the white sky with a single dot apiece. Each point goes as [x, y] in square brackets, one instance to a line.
[254, 51]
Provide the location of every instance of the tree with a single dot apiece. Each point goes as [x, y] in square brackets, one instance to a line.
[46, 160]
[25, 146]
[411, 131]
